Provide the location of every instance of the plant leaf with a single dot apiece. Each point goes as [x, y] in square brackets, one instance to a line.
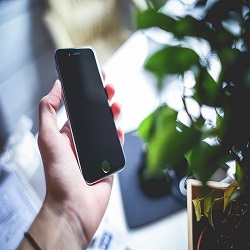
[205, 159]
[167, 144]
[229, 191]
[155, 4]
[172, 60]
[146, 127]
[208, 201]
[151, 18]
[197, 208]
[208, 208]
[209, 92]
[210, 217]
[183, 27]
[239, 174]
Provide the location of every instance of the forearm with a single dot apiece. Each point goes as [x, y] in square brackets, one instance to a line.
[56, 229]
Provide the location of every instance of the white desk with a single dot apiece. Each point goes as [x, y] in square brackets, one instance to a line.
[136, 93]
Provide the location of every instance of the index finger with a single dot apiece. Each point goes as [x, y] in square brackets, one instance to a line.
[110, 91]
[103, 75]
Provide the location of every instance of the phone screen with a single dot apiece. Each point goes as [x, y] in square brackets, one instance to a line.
[96, 140]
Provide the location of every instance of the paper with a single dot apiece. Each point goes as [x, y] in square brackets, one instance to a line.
[19, 205]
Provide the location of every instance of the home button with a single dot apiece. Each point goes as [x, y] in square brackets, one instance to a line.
[105, 167]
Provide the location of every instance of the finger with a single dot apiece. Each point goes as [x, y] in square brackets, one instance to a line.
[48, 107]
[103, 75]
[66, 130]
[116, 110]
[110, 89]
[108, 180]
[121, 135]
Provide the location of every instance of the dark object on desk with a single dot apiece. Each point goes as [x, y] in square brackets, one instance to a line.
[156, 187]
[141, 209]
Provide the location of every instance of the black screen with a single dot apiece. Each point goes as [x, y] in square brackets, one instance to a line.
[96, 140]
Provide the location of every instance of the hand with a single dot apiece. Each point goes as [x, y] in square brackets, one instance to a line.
[69, 200]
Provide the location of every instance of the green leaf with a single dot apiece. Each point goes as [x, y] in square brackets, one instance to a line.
[155, 4]
[197, 208]
[170, 141]
[150, 124]
[189, 26]
[228, 57]
[239, 173]
[208, 91]
[229, 191]
[210, 217]
[181, 28]
[205, 159]
[146, 127]
[220, 123]
[208, 208]
[172, 60]
[208, 202]
[152, 18]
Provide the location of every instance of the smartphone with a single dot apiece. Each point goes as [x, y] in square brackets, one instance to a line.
[98, 147]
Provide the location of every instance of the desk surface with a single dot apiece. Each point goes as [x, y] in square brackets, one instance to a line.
[136, 93]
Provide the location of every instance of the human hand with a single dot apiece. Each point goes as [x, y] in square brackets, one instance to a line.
[69, 200]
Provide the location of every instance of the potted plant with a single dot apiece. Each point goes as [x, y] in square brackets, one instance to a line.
[207, 33]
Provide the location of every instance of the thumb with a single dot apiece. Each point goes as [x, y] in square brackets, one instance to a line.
[48, 107]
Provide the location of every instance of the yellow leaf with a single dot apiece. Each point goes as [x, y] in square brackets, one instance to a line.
[197, 208]
[229, 192]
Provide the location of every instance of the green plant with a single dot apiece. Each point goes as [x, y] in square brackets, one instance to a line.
[224, 27]
[167, 138]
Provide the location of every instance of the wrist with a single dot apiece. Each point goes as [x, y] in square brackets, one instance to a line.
[70, 225]
[57, 227]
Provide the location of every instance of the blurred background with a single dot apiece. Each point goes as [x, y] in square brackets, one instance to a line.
[31, 30]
